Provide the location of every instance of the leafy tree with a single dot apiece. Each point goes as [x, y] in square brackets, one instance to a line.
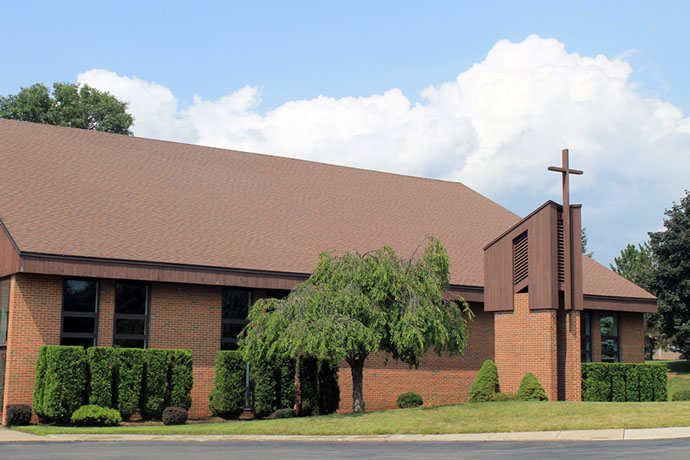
[358, 304]
[636, 264]
[585, 241]
[69, 105]
[671, 278]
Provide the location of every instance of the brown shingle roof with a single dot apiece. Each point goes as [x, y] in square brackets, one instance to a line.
[81, 193]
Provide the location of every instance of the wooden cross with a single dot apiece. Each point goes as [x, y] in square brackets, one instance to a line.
[567, 230]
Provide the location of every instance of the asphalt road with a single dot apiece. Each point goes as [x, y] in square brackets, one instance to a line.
[672, 449]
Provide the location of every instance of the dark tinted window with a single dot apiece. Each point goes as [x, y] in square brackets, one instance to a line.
[235, 308]
[131, 315]
[610, 341]
[131, 299]
[4, 310]
[79, 312]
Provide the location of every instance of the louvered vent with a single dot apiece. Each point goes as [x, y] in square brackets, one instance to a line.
[561, 253]
[520, 259]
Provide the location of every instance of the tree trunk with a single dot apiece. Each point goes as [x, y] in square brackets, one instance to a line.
[356, 363]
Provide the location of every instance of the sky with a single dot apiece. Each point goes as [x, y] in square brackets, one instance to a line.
[485, 93]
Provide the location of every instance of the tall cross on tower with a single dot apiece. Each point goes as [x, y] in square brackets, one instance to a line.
[567, 228]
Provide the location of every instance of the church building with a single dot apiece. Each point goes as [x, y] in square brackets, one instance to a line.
[112, 240]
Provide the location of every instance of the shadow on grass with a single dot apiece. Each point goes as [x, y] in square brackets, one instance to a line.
[680, 366]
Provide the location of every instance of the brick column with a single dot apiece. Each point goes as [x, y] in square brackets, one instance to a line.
[525, 341]
[631, 338]
[35, 315]
[189, 317]
[569, 356]
[596, 336]
[106, 313]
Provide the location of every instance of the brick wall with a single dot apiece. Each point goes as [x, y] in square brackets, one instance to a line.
[439, 379]
[526, 342]
[569, 356]
[632, 337]
[35, 315]
[596, 336]
[188, 316]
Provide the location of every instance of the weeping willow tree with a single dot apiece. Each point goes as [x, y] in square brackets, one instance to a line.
[358, 304]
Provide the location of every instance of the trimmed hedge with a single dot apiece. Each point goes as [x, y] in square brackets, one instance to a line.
[227, 397]
[94, 415]
[129, 371]
[17, 415]
[154, 385]
[285, 377]
[329, 390]
[174, 416]
[64, 382]
[181, 379]
[486, 383]
[101, 362]
[263, 375]
[409, 399]
[308, 369]
[624, 382]
[39, 383]
[530, 389]
[286, 413]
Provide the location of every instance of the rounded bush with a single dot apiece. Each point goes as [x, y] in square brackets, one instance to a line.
[530, 389]
[504, 397]
[174, 416]
[409, 399]
[93, 415]
[286, 413]
[17, 415]
[484, 386]
[681, 396]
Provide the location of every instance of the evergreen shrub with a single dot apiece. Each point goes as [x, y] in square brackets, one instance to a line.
[154, 387]
[285, 378]
[409, 399]
[64, 381]
[129, 371]
[309, 386]
[263, 375]
[181, 379]
[39, 383]
[624, 382]
[17, 415]
[101, 361]
[227, 397]
[329, 389]
[93, 415]
[530, 389]
[486, 383]
[286, 413]
[174, 416]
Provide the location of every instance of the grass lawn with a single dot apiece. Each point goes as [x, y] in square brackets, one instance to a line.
[678, 375]
[463, 418]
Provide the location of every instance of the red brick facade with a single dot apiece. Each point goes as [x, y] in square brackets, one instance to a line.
[545, 342]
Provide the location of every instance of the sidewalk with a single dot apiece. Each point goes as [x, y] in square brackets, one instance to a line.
[583, 435]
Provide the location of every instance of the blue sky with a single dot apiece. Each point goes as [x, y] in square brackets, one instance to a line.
[262, 65]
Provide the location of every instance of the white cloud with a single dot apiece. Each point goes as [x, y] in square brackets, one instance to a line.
[495, 128]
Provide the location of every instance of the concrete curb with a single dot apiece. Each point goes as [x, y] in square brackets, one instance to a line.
[580, 435]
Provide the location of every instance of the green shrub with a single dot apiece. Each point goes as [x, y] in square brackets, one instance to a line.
[101, 361]
[174, 416]
[181, 379]
[660, 376]
[263, 375]
[309, 385]
[286, 413]
[227, 397]
[681, 396]
[596, 382]
[39, 382]
[17, 415]
[93, 415]
[504, 397]
[285, 378]
[618, 389]
[154, 388]
[409, 399]
[624, 382]
[129, 371]
[486, 383]
[632, 382]
[64, 382]
[329, 390]
[530, 389]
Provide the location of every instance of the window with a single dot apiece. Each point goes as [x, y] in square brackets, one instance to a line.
[79, 312]
[586, 333]
[131, 315]
[4, 310]
[610, 349]
[235, 309]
